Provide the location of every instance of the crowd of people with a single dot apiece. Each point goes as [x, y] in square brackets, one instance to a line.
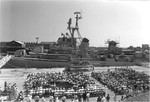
[78, 86]
[123, 81]
[52, 83]
[11, 92]
[18, 96]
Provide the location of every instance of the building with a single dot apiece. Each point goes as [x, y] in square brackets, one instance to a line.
[20, 53]
[31, 45]
[127, 51]
[3, 48]
[138, 54]
[13, 46]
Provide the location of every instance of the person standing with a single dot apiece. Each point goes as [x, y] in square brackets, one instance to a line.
[28, 99]
[51, 98]
[80, 97]
[36, 98]
[75, 98]
[88, 97]
[0, 91]
[20, 97]
[115, 98]
[5, 87]
[72, 99]
[16, 92]
[43, 99]
[84, 97]
[107, 98]
[103, 99]
[56, 98]
[99, 98]
[122, 98]
[63, 98]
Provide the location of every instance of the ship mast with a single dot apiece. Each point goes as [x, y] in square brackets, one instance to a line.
[73, 29]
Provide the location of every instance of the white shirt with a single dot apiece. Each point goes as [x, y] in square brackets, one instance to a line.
[103, 99]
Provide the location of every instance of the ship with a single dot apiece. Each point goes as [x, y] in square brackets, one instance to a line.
[81, 63]
[55, 57]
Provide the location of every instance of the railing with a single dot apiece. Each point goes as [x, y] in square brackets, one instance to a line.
[4, 60]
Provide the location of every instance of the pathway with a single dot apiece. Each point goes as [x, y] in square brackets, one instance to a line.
[4, 60]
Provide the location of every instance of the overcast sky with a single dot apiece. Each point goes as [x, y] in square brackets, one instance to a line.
[125, 21]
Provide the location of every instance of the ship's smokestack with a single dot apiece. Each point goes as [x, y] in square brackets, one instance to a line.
[83, 48]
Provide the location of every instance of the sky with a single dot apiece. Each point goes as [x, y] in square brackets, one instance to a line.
[127, 22]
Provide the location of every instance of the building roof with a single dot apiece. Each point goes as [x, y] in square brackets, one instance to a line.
[113, 42]
[124, 49]
[48, 43]
[19, 42]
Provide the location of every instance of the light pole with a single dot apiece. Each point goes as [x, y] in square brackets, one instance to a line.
[37, 38]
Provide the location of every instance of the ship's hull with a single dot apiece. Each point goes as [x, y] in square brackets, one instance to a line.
[23, 62]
